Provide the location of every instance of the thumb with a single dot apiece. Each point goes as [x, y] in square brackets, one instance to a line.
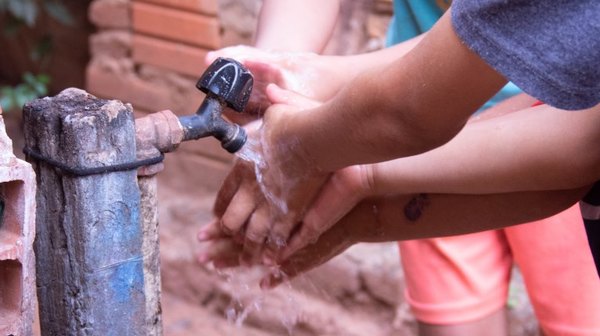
[334, 201]
[210, 57]
[277, 95]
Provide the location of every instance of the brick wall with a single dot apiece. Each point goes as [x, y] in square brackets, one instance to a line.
[150, 53]
[17, 231]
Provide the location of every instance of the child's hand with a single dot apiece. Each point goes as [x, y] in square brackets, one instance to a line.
[346, 188]
[308, 74]
[265, 195]
[224, 251]
[330, 244]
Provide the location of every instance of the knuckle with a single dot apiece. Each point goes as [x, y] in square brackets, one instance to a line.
[256, 232]
[227, 226]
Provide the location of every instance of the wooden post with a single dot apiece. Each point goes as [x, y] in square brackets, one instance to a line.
[90, 272]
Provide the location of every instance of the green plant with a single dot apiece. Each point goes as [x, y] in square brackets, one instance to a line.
[26, 14]
[33, 86]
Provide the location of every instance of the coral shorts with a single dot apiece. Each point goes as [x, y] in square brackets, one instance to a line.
[463, 278]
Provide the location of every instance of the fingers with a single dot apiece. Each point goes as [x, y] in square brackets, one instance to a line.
[278, 95]
[239, 53]
[226, 192]
[237, 198]
[211, 231]
[238, 212]
[281, 230]
[301, 262]
[256, 234]
[337, 197]
[222, 253]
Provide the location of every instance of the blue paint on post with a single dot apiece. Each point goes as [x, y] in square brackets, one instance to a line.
[127, 280]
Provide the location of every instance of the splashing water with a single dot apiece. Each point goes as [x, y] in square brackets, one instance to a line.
[252, 153]
[243, 282]
[246, 299]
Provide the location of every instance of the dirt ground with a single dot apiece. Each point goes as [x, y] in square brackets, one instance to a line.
[356, 293]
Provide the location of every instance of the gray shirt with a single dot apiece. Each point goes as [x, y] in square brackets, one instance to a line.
[549, 48]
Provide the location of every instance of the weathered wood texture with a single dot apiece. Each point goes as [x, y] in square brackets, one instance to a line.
[89, 237]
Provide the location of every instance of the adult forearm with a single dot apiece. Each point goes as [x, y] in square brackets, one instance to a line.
[293, 25]
[404, 108]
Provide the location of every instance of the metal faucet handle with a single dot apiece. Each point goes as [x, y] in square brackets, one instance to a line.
[228, 81]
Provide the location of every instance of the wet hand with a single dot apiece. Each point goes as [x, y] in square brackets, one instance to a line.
[344, 190]
[224, 251]
[271, 185]
[306, 73]
[330, 244]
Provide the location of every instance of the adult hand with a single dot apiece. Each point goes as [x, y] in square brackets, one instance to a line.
[311, 75]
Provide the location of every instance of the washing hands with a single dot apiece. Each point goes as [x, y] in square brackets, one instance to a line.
[308, 74]
[262, 209]
[270, 186]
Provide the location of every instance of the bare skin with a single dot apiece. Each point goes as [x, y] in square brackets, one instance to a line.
[410, 120]
[382, 219]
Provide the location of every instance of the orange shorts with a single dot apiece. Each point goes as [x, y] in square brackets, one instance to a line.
[458, 279]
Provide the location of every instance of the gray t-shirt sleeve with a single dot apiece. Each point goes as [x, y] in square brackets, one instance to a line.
[549, 48]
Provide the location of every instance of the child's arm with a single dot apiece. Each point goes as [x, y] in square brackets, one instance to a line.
[412, 105]
[384, 219]
[501, 151]
[292, 26]
[541, 148]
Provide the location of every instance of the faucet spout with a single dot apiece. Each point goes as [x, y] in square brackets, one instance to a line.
[208, 121]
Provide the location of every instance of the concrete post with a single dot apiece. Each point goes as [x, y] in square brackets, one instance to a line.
[89, 234]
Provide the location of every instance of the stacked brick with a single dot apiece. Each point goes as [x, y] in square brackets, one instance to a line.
[150, 53]
[17, 232]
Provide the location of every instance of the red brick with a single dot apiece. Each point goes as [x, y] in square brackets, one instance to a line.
[110, 13]
[127, 87]
[199, 6]
[177, 25]
[111, 43]
[174, 56]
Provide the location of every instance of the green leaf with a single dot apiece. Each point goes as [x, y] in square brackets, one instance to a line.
[43, 78]
[33, 86]
[28, 78]
[25, 10]
[59, 12]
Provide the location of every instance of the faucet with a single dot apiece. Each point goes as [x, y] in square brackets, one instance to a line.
[227, 83]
